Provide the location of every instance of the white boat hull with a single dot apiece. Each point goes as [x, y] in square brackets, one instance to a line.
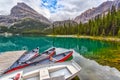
[57, 71]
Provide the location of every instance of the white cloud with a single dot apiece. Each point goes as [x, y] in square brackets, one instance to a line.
[70, 9]
[5, 6]
[35, 4]
[73, 8]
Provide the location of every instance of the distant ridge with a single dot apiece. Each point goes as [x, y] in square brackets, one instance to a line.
[100, 10]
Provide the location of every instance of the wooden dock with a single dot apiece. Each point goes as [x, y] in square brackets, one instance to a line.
[8, 58]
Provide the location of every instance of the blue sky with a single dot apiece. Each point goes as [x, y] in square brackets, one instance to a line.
[51, 5]
[55, 10]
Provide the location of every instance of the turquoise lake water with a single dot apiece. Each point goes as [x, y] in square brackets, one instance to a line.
[90, 49]
[82, 46]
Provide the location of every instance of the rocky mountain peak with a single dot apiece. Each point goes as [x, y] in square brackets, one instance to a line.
[19, 12]
[20, 8]
[22, 5]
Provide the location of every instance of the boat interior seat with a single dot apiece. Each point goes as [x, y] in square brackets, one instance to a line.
[64, 54]
[56, 78]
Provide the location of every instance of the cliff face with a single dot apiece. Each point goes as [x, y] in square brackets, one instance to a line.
[63, 23]
[19, 12]
[101, 9]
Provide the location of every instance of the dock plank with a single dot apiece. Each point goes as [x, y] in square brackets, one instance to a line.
[8, 58]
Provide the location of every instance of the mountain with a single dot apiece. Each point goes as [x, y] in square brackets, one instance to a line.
[19, 13]
[116, 3]
[60, 25]
[100, 10]
[64, 23]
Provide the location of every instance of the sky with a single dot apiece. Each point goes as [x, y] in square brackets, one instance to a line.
[55, 10]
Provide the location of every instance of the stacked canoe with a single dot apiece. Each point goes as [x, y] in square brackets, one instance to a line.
[33, 58]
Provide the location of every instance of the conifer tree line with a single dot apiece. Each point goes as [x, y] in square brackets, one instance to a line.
[105, 25]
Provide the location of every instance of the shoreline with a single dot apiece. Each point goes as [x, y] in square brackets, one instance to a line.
[113, 39]
[100, 38]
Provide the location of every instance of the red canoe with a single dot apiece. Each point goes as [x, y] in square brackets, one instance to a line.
[56, 58]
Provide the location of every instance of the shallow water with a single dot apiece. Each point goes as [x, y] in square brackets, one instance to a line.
[91, 70]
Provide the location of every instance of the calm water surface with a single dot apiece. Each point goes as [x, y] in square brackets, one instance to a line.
[83, 46]
[105, 53]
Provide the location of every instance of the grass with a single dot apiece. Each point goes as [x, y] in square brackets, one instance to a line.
[107, 57]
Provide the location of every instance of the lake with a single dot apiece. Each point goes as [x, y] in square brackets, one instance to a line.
[100, 51]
